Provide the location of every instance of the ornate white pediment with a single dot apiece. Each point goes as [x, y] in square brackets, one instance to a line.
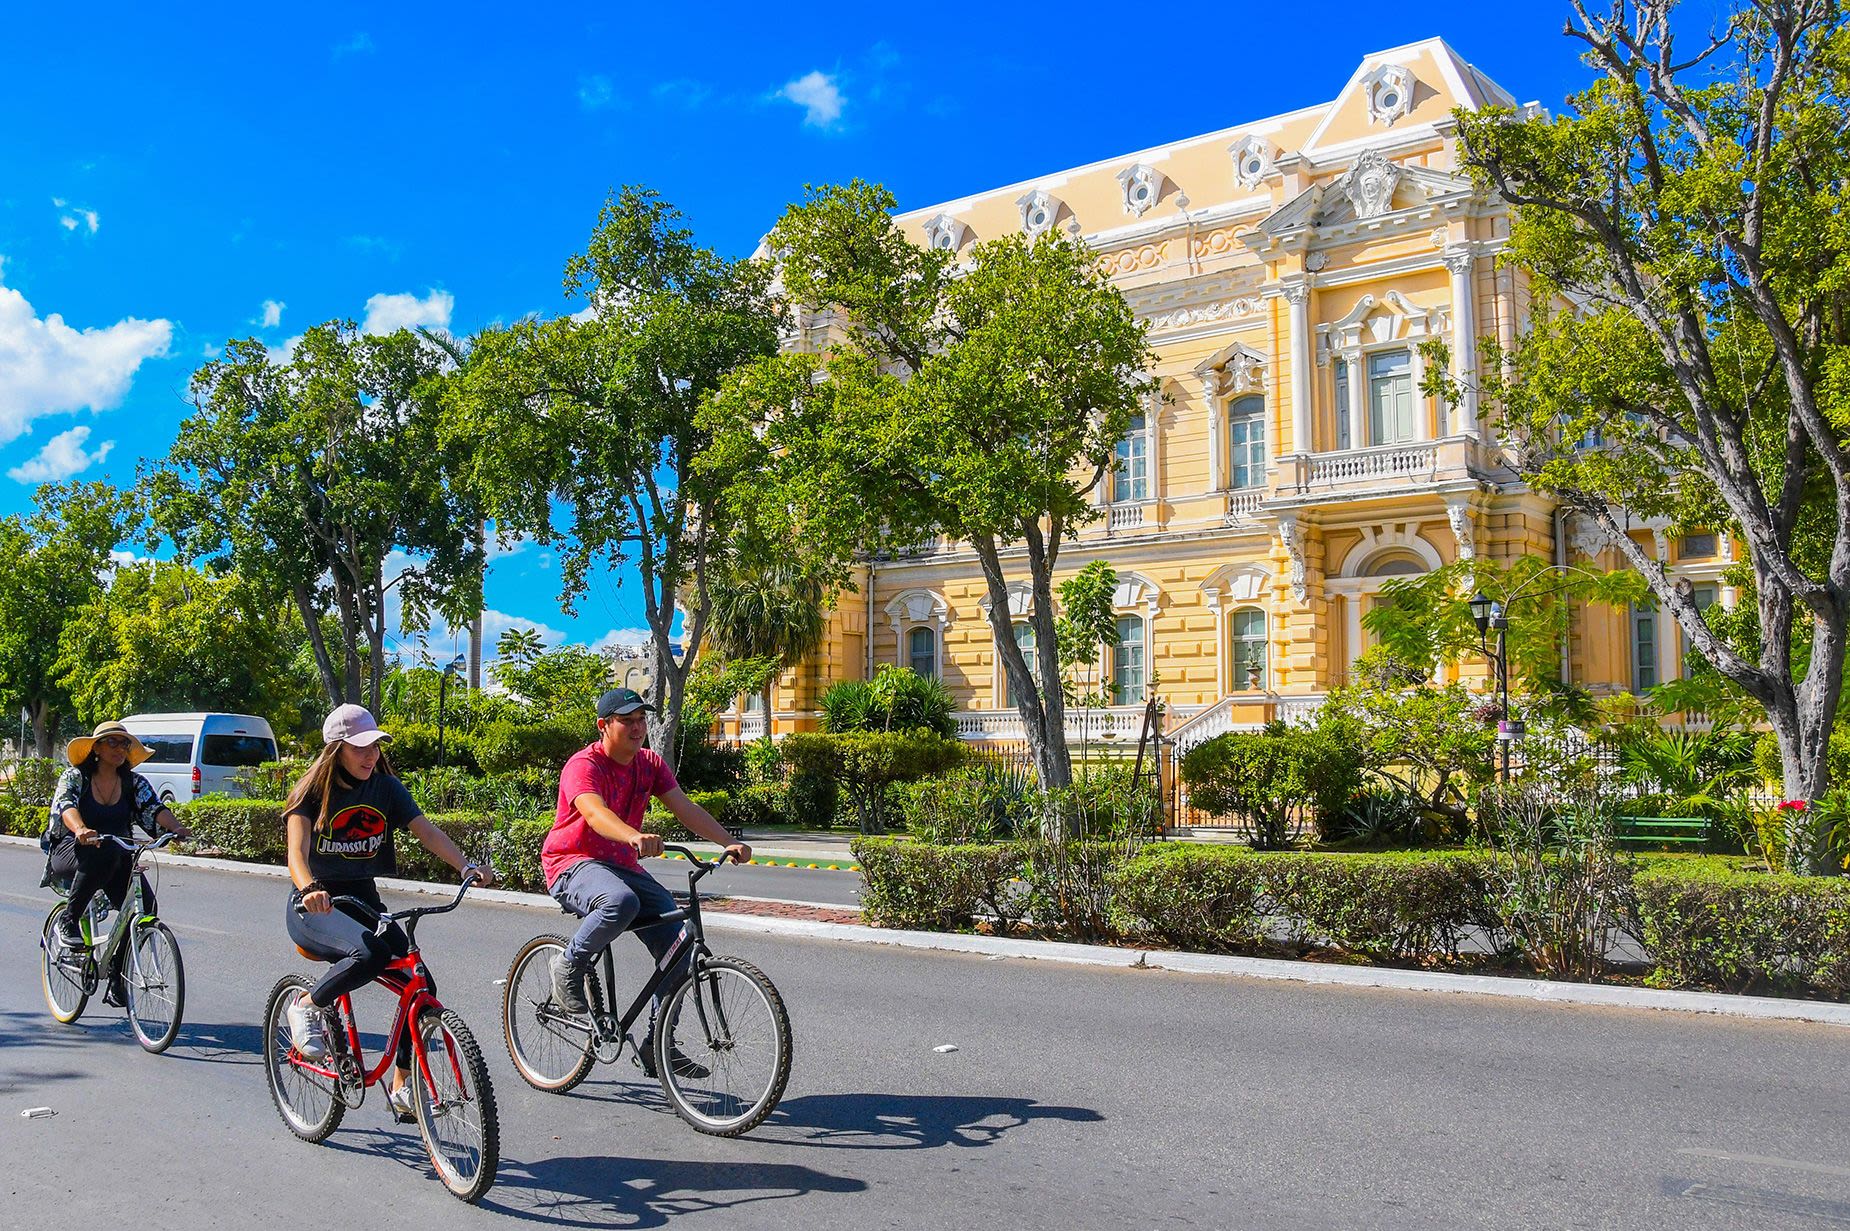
[1388, 91]
[1386, 319]
[919, 607]
[1370, 184]
[1137, 593]
[1142, 186]
[1253, 159]
[1039, 211]
[1021, 600]
[1233, 585]
[945, 233]
[1234, 369]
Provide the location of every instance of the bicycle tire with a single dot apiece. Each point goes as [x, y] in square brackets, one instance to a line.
[155, 1018]
[296, 1109]
[553, 1069]
[733, 999]
[65, 995]
[468, 1168]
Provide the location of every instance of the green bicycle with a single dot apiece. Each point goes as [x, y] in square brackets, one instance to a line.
[140, 951]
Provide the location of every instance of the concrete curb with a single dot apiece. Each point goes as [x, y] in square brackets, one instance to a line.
[1759, 1008]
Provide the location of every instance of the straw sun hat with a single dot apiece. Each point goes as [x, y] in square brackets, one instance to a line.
[78, 750]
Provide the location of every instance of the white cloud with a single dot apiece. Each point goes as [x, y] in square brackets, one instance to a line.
[819, 96]
[62, 457]
[390, 313]
[272, 313]
[76, 217]
[47, 367]
[622, 638]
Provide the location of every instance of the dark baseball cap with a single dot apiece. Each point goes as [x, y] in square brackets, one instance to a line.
[620, 701]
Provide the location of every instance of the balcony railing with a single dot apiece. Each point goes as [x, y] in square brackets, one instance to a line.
[1354, 467]
[1125, 516]
[1243, 506]
[751, 725]
[1119, 724]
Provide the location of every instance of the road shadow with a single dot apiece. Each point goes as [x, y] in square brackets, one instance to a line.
[218, 1043]
[644, 1192]
[908, 1121]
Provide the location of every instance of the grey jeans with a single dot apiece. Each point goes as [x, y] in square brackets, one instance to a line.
[609, 899]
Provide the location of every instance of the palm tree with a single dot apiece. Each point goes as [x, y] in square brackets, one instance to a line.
[520, 646]
[773, 611]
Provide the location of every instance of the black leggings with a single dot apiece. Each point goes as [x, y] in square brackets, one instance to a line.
[359, 954]
[104, 866]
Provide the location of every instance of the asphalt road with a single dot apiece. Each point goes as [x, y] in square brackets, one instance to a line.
[833, 887]
[1077, 1098]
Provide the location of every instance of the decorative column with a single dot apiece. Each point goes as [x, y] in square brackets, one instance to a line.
[1153, 448]
[1299, 298]
[1461, 262]
[1358, 399]
[1210, 400]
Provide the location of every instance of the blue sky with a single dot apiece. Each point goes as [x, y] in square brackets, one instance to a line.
[167, 183]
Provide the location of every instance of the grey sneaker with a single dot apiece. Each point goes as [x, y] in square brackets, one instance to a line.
[683, 1064]
[69, 931]
[568, 988]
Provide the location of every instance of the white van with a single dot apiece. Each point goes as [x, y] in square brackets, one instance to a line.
[197, 754]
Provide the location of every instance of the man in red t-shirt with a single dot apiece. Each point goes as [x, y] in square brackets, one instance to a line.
[593, 855]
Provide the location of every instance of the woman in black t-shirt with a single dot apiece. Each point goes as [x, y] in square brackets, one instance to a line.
[342, 816]
[101, 795]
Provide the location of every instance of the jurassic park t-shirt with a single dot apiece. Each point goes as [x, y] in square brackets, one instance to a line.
[355, 843]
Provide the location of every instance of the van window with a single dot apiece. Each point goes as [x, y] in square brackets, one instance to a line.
[237, 750]
[169, 749]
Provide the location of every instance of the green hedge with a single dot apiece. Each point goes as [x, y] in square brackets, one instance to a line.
[658, 820]
[936, 888]
[20, 819]
[1707, 924]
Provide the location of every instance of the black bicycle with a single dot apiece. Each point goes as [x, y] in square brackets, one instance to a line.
[139, 957]
[722, 1040]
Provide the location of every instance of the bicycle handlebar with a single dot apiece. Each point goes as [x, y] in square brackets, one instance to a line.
[135, 848]
[380, 919]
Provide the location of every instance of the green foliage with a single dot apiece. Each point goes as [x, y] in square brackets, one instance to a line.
[937, 888]
[1709, 925]
[1767, 764]
[414, 746]
[766, 609]
[765, 803]
[30, 781]
[1087, 623]
[814, 798]
[896, 699]
[22, 820]
[1561, 889]
[505, 747]
[868, 762]
[707, 765]
[514, 847]
[977, 804]
[1265, 780]
[272, 779]
[1378, 814]
[764, 764]
[1207, 899]
[1070, 885]
[1697, 772]
[55, 558]
[658, 820]
[561, 683]
[252, 830]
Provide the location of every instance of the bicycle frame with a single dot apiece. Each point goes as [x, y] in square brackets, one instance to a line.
[104, 959]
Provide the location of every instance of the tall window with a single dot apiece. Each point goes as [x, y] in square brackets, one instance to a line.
[1390, 397]
[1704, 597]
[1342, 405]
[1247, 633]
[1131, 480]
[1024, 638]
[754, 703]
[1127, 673]
[922, 651]
[1246, 432]
[1644, 648]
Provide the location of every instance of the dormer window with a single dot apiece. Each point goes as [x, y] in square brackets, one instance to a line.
[1252, 160]
[945, 234]
[1038, 213]
[1389, 90]
[1142, 186]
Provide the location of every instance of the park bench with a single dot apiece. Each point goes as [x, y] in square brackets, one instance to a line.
[1651, 831]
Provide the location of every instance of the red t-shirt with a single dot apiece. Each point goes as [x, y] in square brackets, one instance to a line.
[625, 790]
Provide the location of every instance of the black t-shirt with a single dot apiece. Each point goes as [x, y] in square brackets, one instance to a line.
[355, 844]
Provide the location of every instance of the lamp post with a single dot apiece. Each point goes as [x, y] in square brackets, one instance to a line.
[443, 686]
[1491, 616]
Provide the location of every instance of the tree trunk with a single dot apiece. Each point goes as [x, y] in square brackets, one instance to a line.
[1804, 741]
[44, 727]
[311, 619]
[1046, 743]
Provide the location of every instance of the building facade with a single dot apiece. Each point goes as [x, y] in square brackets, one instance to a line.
[1290, 269]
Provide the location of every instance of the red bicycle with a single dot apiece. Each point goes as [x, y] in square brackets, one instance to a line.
[455, 1104]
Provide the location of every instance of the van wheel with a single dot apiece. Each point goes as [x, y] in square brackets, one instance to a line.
[167, 797]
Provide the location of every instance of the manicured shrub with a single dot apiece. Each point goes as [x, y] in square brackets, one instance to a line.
[515, 849]
[937, 888]
[20, 819]
[504, 747]
[1070, 886]
[248, 829]
[706, 765]
[472, 832]
[896, 699]
[658, 820]
[31, 780]
[1265, 780]
[1192, 897]
[764, 763]
[273, 779]
[814, 798]
[754, 806]
[1706, 924]
[866, 763]
[975, 804]
[414, 746]
[1398, 907]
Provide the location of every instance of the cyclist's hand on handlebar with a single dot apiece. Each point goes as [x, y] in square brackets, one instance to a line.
[484, 874]
[88, 837]
[647, 845]
[739, 852]
[317, 903]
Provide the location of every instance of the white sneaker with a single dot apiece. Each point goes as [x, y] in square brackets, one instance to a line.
[307, 1028]
[403, 1106]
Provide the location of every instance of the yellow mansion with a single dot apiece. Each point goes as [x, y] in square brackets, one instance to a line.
[1289, 269]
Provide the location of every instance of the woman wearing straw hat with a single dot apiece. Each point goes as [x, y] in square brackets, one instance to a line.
[101, 794]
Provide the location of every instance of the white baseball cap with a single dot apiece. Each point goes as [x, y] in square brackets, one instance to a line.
[352, 724]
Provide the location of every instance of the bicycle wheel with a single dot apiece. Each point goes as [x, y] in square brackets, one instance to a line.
[305, 1100]
[548, 1054]
[61, 972]
[456, 1106]
[156, 986]
[722, 1047]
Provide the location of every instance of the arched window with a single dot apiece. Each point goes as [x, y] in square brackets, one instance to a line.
[1246, 635]
[922, 651]
[1246, 439]
[1127, 667]
[1130, 481]
[1024, 638]
[1394, 564]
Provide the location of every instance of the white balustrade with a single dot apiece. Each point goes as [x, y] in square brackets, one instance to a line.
[1125, 516]
[751, 725]
[1243, 506]
[1355, 466]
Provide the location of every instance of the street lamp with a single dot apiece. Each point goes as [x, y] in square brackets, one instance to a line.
[1490, 616]
[443, 686]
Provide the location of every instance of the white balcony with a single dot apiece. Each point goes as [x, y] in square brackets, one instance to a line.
[1359, 467]
[751, 725]
[1121, 724]
[1126, 517]
[1243, 506]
